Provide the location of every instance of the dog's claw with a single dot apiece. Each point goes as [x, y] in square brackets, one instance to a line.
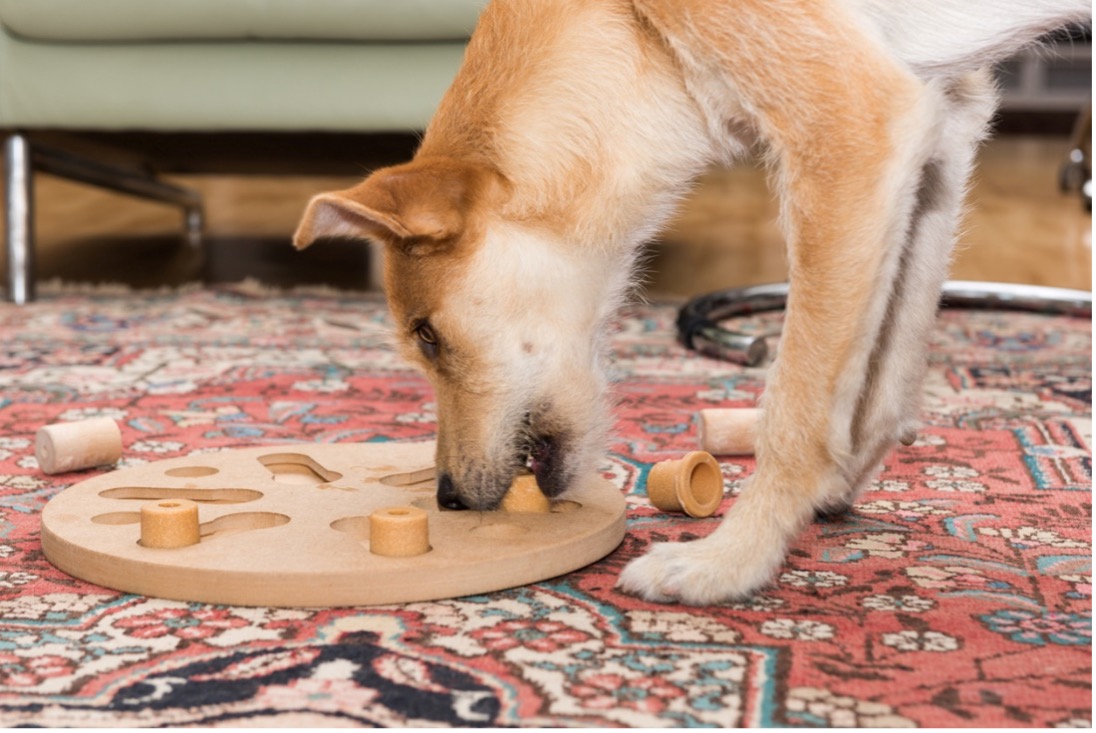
[645, 577]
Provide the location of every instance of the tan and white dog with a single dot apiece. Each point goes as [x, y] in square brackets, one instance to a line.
[563, 144]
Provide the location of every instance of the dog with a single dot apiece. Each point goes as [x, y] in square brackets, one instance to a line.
[568, 136]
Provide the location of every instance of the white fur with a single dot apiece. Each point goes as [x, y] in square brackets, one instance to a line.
[546, 336]
[950, 38]
[594, 117]
[748, 548]
[943, 42]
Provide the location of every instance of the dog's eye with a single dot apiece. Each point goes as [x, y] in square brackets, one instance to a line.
[428, 340]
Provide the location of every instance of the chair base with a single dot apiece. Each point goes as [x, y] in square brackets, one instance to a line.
[22, 159]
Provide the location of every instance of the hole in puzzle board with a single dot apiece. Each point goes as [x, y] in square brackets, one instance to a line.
[419, 479]
[229, 524]
[356, 527]
[562, 506]
[297, 468]
[241, 522]
[202, 496]
[116, 518]
[191, 471]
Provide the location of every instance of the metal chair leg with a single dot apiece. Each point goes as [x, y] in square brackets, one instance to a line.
[194, 219]
[1076, 172]
[20, 160]
[123, 180]
[19, 210]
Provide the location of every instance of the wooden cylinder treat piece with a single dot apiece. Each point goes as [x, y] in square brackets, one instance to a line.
[169, 523]
[693, 485]
[399, 531]
[73, 446]
[729, 432]
[525, 497]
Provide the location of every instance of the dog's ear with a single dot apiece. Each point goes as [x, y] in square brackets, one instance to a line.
[415, 205]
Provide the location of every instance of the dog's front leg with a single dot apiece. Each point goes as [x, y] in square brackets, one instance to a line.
[871, 177]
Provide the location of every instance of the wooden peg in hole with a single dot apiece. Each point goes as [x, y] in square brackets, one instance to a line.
[169, 524]
[693, 484]
[73, 446]
[399, 531]
[525, 497]
[729, 432]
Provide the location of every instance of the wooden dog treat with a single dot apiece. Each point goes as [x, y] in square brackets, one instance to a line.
[525, 497]
[169, 523]
[399, 531]
[693, 484]
[73, 446]
[729, 432]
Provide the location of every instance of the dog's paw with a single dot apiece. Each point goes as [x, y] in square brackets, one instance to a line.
[663, 572]
[701, 573]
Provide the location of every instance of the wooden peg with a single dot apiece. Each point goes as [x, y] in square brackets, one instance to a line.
[525, 497]
[399, 531]
[73, 446]
[693, 484]
[729, 432]
[169, 523]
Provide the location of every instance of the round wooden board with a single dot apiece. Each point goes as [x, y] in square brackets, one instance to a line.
[288, 526]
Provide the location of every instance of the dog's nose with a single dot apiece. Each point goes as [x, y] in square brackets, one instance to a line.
[447, 494]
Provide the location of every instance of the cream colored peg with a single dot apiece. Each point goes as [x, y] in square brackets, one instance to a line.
[399, 531]
[693, 484]
[525, 497]
[729, 432]
[169, 523]
[73, 446]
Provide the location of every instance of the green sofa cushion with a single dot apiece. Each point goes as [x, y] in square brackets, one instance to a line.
[113, 21]
[224, 86]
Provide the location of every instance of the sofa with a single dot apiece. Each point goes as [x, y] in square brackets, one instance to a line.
[205, 66]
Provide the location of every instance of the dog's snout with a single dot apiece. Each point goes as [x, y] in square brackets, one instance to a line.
[447, 494]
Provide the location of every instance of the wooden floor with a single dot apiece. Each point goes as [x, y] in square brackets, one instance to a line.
[1020, 228]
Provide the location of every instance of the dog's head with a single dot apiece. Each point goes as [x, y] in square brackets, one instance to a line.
[503, 317]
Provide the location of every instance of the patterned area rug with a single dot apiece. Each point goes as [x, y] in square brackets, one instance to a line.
[957, 593]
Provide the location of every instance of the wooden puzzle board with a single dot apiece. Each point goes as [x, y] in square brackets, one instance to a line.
[288, 526]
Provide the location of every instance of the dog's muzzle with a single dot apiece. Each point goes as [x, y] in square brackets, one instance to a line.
[543, 455]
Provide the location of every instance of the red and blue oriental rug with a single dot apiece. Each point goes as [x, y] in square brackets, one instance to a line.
[957, 593]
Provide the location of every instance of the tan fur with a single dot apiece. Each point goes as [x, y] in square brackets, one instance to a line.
[566, 138]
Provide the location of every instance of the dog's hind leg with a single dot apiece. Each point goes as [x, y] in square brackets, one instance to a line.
[871, 188]
[891, 393]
